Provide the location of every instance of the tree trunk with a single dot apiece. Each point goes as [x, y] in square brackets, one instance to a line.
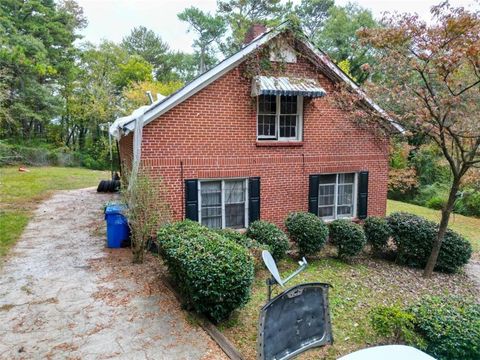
[81, 138]
[202, 60]
[446, 211]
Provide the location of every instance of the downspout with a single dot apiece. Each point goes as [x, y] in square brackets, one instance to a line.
[137, 149]
[137, 144]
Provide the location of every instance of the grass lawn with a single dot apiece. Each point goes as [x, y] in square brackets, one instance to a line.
[20, 192]
[356, 289]
[467, 226]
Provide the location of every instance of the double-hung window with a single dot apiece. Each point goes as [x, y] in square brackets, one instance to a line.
[279, 117]
[223, 203]
[336, 196]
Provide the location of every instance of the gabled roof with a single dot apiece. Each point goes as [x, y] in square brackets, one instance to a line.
[156, 109]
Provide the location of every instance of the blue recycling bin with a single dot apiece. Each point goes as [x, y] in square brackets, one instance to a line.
[118, 231]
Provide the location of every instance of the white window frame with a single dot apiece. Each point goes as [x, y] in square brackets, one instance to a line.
[223, 199]
[354, 199]
[298, 125]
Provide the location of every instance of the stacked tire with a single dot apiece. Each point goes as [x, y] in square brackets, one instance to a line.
[108, 186]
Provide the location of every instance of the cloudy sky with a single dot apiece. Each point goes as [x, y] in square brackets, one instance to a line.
[114, 19]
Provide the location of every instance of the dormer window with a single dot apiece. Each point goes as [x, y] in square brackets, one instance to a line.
[280, 106]
[279, 117]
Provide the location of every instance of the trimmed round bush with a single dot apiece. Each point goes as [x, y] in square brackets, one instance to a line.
[214, 274]
[377, 232]
[454, 253]
[308, 231]
[414, 236]
[269, 234]
[348, 237]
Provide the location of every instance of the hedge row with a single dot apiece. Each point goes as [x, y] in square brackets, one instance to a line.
[214, 269]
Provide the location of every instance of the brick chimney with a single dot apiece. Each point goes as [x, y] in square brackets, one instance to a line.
[254, 31]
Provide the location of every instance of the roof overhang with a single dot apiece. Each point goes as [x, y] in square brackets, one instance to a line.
[268, 85]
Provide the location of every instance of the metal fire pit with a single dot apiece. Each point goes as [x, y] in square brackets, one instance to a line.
[294, 321]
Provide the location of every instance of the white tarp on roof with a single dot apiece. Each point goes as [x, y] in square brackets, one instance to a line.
[117, 129]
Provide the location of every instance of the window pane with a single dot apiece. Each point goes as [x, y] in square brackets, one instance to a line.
[344, 211]
[234, 191]
[346, 178]
[288, 105]
[324, 212]
[288, 126]
[266, 125]
[235, 204]
[211, 193]
[328, 179]
[267, 104]
[345, 200]
[326, 195]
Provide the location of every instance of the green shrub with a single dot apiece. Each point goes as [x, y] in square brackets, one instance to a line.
[213, 273]
[254, 247]
[394, 323]
[436, 203]
[308, 231]
[348, 237]
[269, 234]
[469, 203]
[430, 168]
[433, 194]
[450, 327]
[444, 327]
[414, 237]
[377, 232]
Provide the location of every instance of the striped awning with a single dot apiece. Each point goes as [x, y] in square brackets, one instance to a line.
[266, 85]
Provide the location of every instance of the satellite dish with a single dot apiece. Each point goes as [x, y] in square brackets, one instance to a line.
[271, 266]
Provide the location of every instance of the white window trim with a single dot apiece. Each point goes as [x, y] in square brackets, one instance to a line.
[355, 198]
[299, 124]
[200, 181]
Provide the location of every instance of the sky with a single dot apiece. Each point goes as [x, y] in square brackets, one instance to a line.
[114, 19]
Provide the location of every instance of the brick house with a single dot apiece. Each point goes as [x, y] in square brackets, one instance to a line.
[236, 145]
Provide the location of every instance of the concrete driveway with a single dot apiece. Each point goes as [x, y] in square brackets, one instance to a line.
[64, 296]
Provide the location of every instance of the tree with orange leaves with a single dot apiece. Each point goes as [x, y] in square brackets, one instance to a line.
[430, 87]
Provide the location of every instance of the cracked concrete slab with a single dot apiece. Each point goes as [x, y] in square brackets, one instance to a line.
[64, 296]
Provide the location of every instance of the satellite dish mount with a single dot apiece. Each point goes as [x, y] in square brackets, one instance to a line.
[276, 278]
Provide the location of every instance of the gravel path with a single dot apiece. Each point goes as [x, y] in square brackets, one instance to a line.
[64, 296]
[473, 271]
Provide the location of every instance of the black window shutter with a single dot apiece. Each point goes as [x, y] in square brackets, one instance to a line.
[253, 199]
[362, 195]
[313, 194]
[191, 199]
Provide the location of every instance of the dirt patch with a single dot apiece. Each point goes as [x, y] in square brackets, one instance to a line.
[64, 296]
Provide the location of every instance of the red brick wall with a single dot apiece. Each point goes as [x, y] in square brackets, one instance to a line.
[125, 146]
[213, 135]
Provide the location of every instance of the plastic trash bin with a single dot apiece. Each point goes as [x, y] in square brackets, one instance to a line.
[118, 231]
